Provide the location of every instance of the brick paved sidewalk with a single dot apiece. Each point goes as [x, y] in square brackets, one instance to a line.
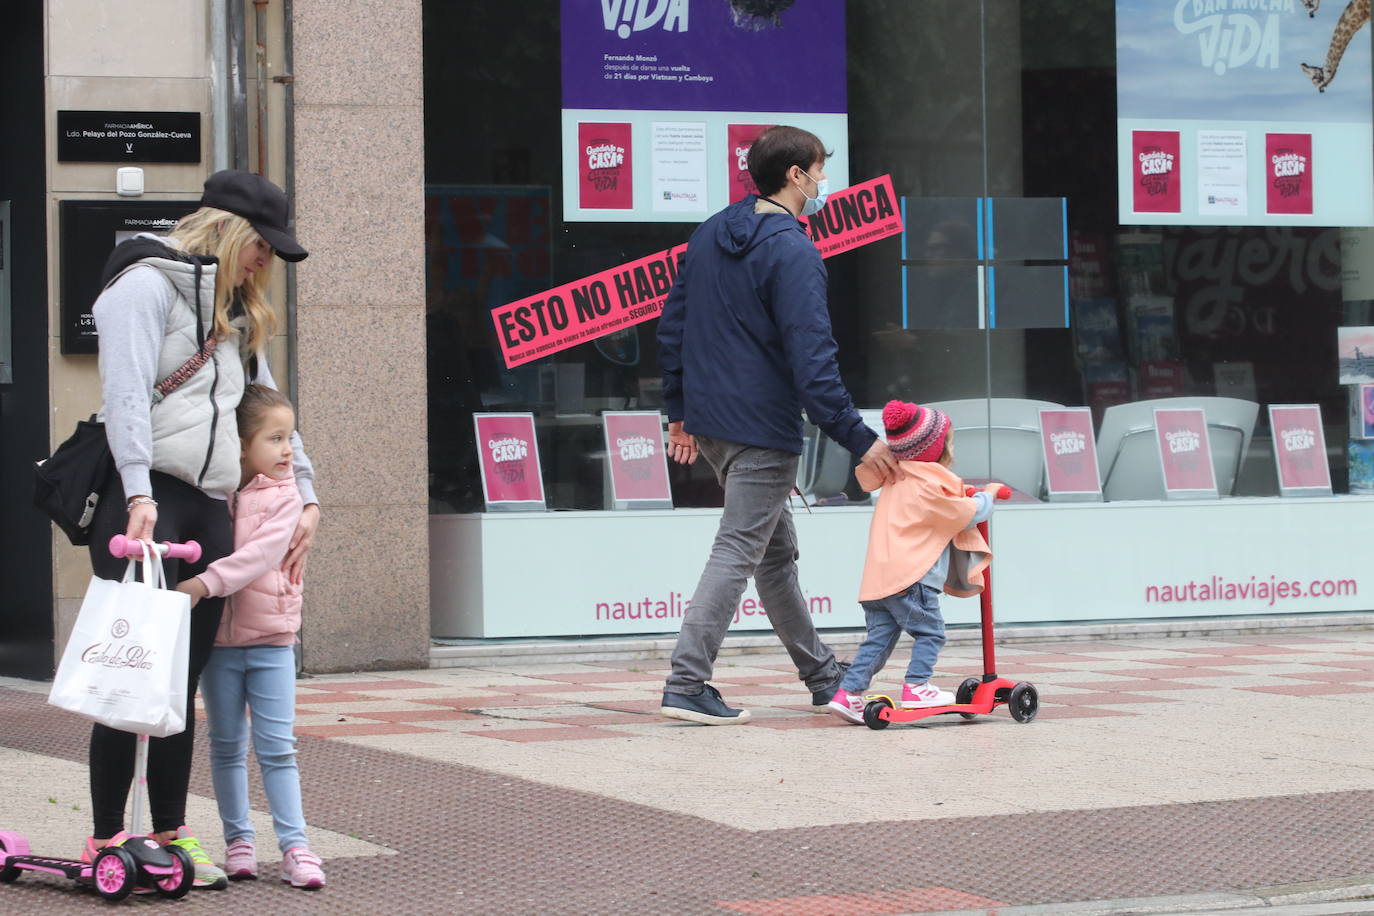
[1155, 767]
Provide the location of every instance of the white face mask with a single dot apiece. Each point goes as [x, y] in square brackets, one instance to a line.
[814, 204]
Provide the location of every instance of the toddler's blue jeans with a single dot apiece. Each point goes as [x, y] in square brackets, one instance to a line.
[915, 611]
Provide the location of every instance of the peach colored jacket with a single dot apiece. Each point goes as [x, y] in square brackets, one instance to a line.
[914, 519]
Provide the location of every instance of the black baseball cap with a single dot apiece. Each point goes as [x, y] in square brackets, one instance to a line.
[263, 204]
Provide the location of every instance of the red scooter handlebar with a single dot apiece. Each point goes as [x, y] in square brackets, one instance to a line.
[1003, 493]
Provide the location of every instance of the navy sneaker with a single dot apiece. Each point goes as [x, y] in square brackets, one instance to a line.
[705, 708]
[820, 698]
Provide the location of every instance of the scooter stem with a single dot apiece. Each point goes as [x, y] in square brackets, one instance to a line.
[985, 606]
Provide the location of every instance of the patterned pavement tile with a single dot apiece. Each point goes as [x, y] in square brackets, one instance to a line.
[1312, 690]
[1129, 686]
[1052, 711]
[1164, 672]
[870, 904]
[565, 733]
[1112, 698]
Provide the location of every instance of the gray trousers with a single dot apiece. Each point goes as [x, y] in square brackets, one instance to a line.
[756, 538]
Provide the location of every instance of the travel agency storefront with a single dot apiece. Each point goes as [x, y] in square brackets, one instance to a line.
[1096, 210]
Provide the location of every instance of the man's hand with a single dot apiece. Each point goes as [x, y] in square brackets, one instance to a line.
[195, 588]
[880, 460]
[682, 447]
[301, 539]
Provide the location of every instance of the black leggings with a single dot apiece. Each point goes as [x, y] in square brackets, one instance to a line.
[183, 513]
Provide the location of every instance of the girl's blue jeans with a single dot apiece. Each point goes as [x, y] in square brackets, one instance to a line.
[915, 611]
[261, 679]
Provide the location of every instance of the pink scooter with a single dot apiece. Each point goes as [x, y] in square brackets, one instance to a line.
[140, 861]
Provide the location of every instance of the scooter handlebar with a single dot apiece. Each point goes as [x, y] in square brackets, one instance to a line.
[1003, 493]
[121, 546]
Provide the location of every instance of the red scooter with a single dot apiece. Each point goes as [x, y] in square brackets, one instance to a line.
[975, 696]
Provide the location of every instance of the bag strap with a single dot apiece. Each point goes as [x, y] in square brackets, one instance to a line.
[189, 368]
[198, 359]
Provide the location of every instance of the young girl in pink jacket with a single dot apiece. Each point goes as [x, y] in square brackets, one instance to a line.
[923, 540]
[253, 663]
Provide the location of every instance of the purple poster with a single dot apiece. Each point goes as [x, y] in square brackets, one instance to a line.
[704, 55]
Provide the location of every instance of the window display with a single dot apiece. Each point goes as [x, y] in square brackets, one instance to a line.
[1202, 293]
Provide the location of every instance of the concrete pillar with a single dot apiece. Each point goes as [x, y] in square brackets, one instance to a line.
[359, 135]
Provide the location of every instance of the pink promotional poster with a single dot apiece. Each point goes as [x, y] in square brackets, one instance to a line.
[638, 460]
[1300, 449]
[740, 138]
[1066, 436]
[1288, 173]
[1154, 155]
[511, 475]
[1185, 453]
[606, 179]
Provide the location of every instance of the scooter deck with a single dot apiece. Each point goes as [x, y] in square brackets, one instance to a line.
[68, 868]
[895, 713]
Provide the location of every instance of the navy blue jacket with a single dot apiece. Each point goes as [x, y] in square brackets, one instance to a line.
[744, 340]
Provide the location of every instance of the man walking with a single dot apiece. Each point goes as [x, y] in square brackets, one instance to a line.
[744, 344]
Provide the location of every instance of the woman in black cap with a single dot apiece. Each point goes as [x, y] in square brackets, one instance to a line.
[183, 324]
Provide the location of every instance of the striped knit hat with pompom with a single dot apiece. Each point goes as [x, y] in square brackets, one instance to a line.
[915, 433]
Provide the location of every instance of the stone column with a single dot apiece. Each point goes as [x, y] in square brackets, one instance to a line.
[359, 161]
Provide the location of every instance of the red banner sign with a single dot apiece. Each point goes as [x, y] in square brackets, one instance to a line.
[581, 311]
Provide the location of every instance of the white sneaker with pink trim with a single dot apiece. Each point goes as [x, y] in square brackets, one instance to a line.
[301, 868]
[919, 696]
[848, 706]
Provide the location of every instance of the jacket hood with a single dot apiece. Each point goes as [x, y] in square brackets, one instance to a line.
[143, 247]
[743, 230]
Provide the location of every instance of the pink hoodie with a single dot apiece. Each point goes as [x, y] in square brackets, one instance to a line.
[264, 608]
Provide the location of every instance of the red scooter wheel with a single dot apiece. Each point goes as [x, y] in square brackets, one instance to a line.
[873, 714]
[1024, 702]
[964, 695]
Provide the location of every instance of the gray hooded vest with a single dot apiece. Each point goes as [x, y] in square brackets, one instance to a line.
[194, 434]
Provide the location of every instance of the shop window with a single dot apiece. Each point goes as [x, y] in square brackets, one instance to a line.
[967, 104]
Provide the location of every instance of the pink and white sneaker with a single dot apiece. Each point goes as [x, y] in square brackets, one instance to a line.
[919, 696]
[241, 860]
[848, 706]
[301, 868]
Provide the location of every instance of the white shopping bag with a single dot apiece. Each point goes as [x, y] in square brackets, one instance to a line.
[125, 663]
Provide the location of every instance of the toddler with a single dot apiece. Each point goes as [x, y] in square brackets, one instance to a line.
[922, 541]
[253, 662]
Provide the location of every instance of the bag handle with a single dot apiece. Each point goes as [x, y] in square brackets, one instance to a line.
[154, 574]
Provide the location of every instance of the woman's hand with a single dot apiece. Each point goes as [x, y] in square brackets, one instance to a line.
[142, 520]
[304, 536]
[682, 447]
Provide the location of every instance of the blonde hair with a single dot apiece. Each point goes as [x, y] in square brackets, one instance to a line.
[209, 231]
